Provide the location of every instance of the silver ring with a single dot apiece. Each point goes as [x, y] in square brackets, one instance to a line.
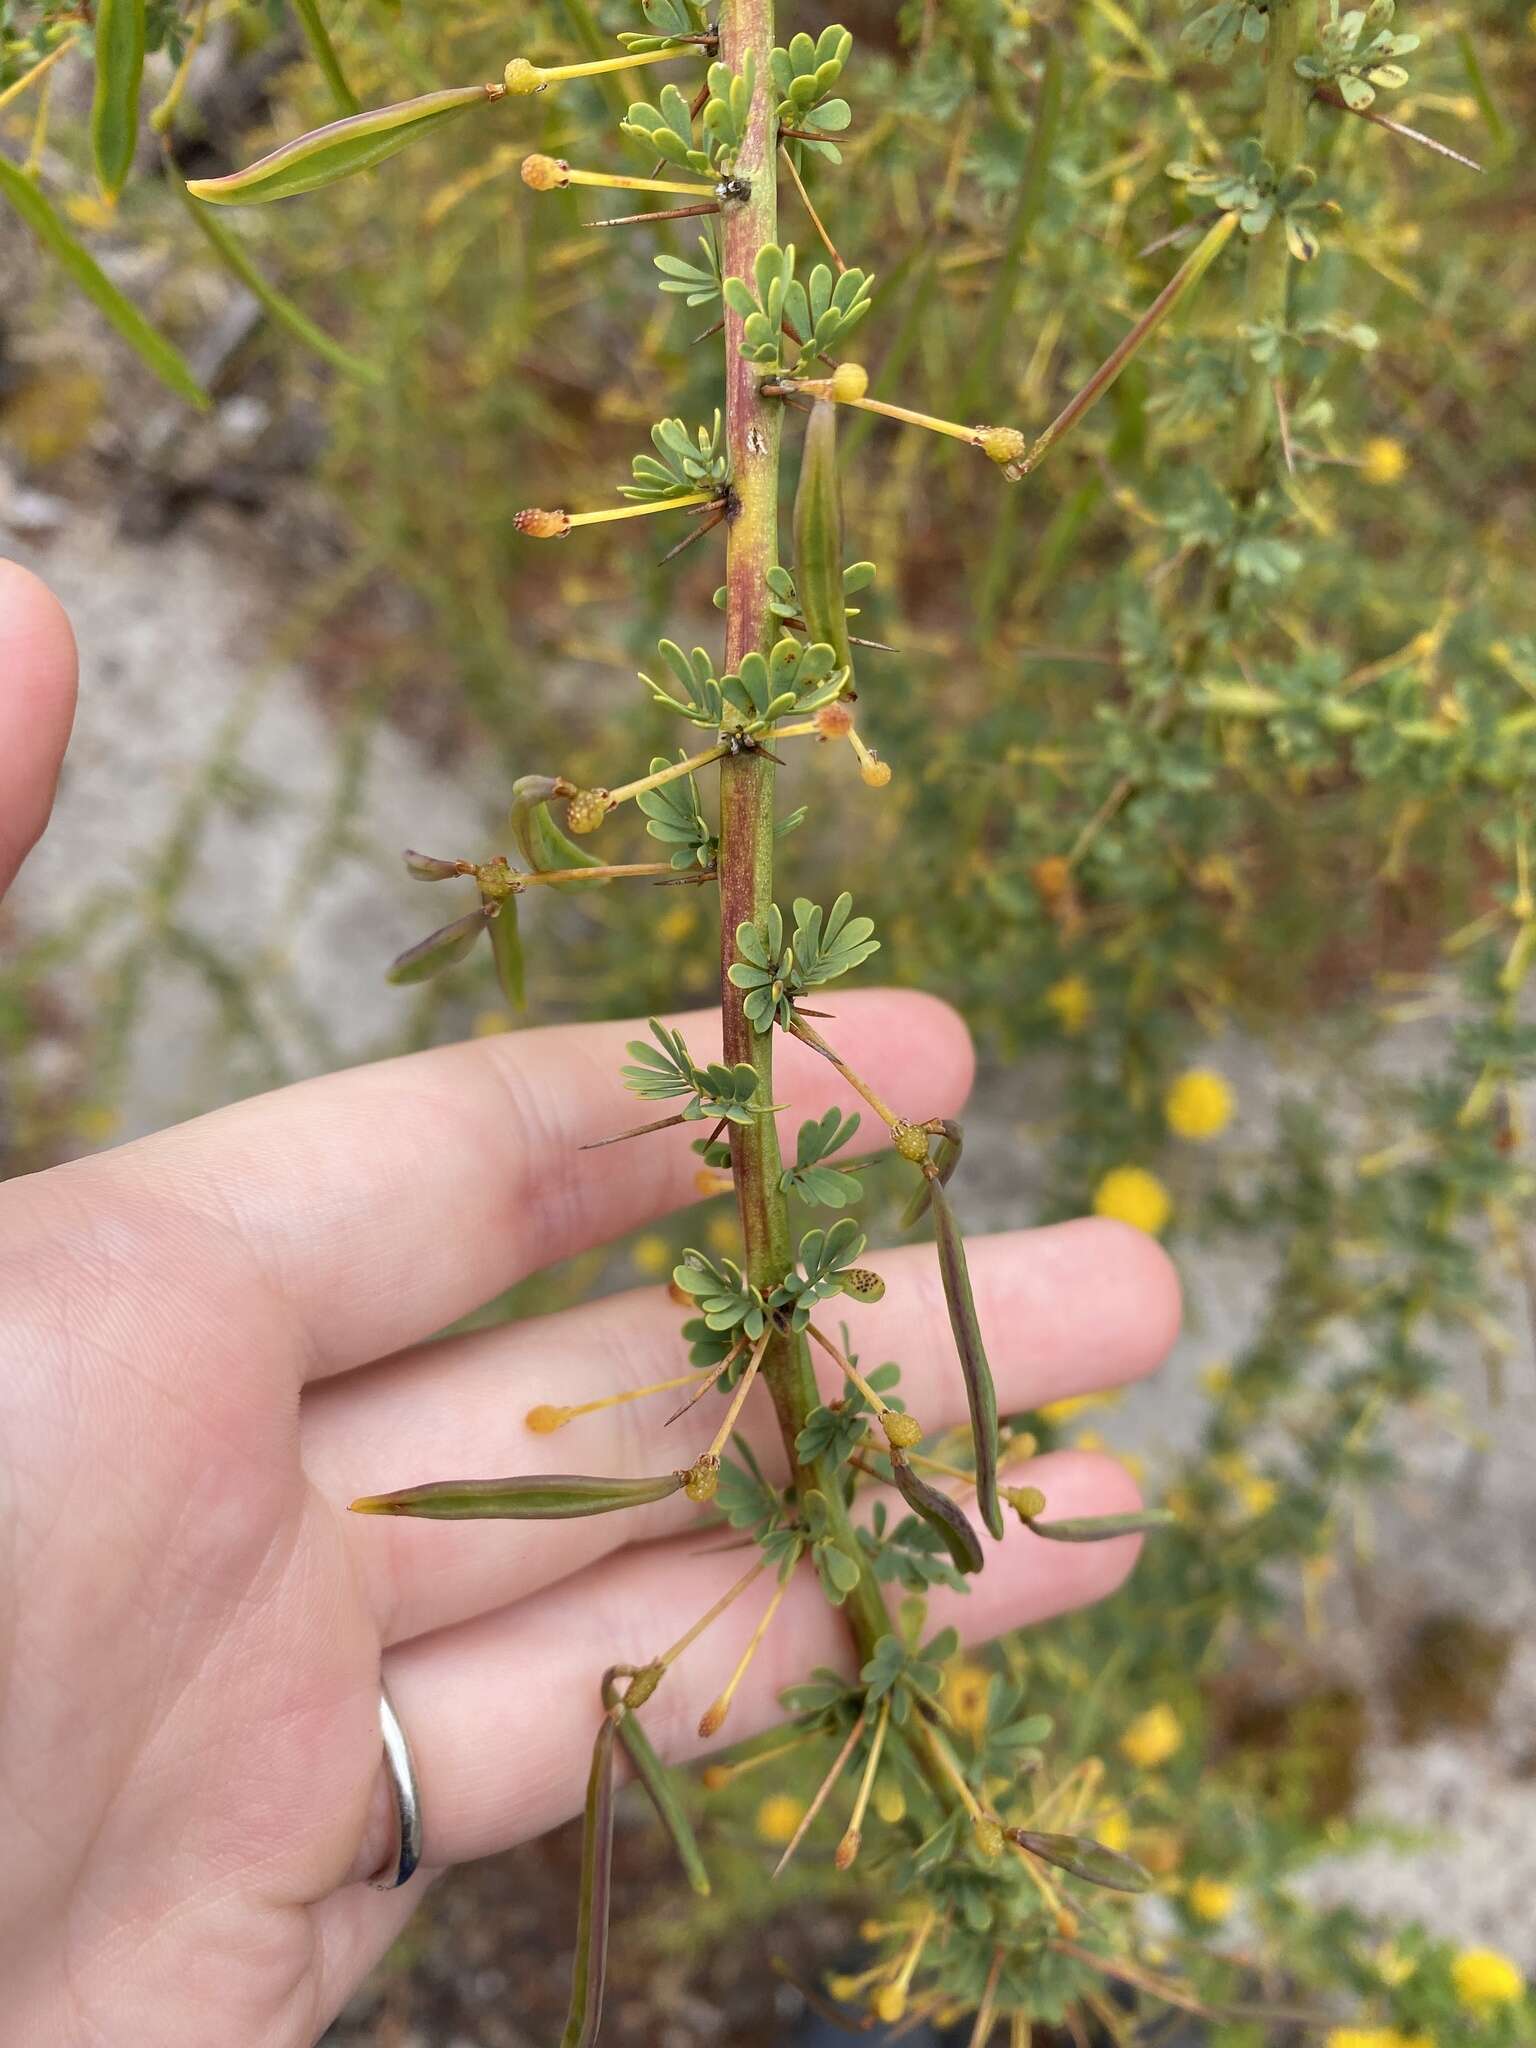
[399, 1866]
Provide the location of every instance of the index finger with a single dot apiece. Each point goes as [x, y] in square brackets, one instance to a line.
[373, 1207]
[37, 706]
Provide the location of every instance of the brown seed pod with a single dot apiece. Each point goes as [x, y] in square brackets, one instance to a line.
[537, 524]
[546, 173]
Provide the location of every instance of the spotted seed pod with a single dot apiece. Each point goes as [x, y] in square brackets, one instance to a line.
[586, 810]
[902, 1432]
[521, 78]
[910, 1141]
[546, 173]
[1002, 445]
[702, 1479]
[537, 524]
[988, 1837]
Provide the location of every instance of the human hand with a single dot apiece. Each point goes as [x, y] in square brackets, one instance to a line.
[218, 1336]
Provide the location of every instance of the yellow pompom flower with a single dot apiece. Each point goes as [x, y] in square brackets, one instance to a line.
[1113, 1829]
[1383, 460]
[1152, 1737]
[1375, 2037]
[965, 1695]
[1484, 1979]
[1070, 1002]
[1129, 1194]
[1199, 1105]
[652, 1254]
[1208, 1898]
[778, 1817]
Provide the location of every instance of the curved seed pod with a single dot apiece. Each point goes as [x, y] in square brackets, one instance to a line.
[440, 949]
[426, 867]
[945, 1160]
[539, 839]
[162, 356]
[282, 309]
[1103, 1528]
[507, 951]
[115, 105]
[661, 1787]
[591, 1966]
[819, 535]
[339, 149]
[1082, 1857]
[553, 1498]
[941, 1513]
[980, 1394]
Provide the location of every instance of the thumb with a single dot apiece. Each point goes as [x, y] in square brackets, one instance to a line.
[37, 707]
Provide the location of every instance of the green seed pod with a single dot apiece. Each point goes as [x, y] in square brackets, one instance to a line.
[555, 1498]
[591, 1965]
[439, 950]
[945, 1160]
[115, 106]
[507, 952]
[819, 536]
[941, 1513]
[1082, 1857]
[539, 839]
[1104, 1528]
[339, 149]
[980, 1393]
[661, 1788]
[909, 1141]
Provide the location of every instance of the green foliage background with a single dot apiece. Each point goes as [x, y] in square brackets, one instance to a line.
[1182, 747]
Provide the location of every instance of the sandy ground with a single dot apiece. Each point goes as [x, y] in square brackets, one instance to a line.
[172, 640]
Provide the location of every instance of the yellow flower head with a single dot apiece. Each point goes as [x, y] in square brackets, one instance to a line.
[1210, 1899]
[1070, 1002]
[1198, 1105]
[1129, 1194]
[778, 1817]
[652, 1254]
[965, 1695]
[1375, 2037]
[1384, 461]
[1113, 1829]
[1152, 1737]
[1485, 1979]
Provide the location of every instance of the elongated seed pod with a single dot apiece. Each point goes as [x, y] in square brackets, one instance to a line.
[941, 1513]
[340, 149]
[945, 1160]
[591, 1965]
[552, 1498]
[1082, 1857]
[1104, 1528]
[819, 535]
[661, 1788]
[115, 103]
[980, 1393]
[539, 839]
[438, 950]
[162, 356]
[507, 951]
